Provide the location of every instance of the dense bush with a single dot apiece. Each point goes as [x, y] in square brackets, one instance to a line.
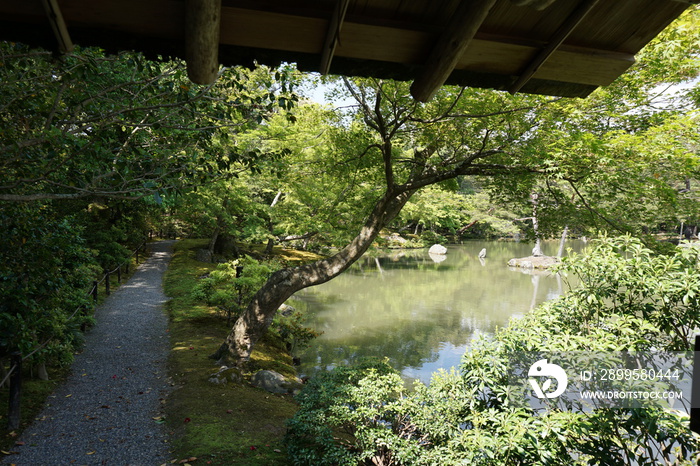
[49, 257]
[629, 299]
[45, 273]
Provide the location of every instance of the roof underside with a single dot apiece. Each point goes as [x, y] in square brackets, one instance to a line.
[568, 48]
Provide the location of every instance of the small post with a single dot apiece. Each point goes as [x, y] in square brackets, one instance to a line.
[137, 254]
[107, 291]
[13, 416]
[127, 266]
[695, 390]
[119, 275]
[94, 291]
[83, 324]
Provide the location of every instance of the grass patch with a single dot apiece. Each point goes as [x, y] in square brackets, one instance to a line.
[226, 424]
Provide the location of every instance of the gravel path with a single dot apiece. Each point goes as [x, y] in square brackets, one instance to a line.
[104, 413]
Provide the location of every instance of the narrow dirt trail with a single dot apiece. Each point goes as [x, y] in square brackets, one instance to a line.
[104, 413]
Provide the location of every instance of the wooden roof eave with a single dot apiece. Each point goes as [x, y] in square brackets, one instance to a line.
[380, 45]
[450, 47]
[573, 20]
[58, 25]
[333, 35]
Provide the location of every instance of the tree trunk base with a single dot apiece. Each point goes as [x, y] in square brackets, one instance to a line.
[223, 357]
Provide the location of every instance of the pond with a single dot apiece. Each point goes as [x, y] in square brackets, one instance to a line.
[422, 312]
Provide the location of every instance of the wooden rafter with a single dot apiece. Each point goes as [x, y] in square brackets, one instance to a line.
[377, 40]
[333, 35]
[53, 12]
[202, 31]
[567, 27]
[450, 47]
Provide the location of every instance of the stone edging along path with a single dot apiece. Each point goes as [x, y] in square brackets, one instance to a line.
[108, 410]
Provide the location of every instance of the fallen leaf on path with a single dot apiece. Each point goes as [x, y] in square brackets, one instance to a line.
[91, 452]
[68, 396]
[187, 420]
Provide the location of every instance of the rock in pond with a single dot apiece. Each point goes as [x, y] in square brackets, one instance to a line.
[286, 310]
[534, 262]
[437, 249]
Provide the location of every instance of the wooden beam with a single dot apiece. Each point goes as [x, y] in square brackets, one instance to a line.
[560, 35]
[202, 30]
[333, 35]
[450, 47]
[53, 12]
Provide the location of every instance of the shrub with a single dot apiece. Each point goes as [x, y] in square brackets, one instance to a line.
[231, 286]
[292, 331]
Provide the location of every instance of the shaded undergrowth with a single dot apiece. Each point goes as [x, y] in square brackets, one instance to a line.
[233, 423]
[34, 390]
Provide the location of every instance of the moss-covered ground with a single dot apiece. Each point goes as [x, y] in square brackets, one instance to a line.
[226, 424]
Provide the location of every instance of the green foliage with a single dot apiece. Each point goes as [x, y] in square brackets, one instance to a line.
[46, 271]
[94, 146]
[625, 158]
[232, 284]
[123, 126]
[345, 415]
[624, 280]
[290, 329]
[629, 299]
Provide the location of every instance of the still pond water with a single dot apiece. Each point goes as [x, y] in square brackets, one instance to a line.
[419, 312]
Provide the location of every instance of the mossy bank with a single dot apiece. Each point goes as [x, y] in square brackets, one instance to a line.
[231, 423]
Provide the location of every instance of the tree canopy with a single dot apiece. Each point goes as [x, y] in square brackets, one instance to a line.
[89, 125]
[95, 148]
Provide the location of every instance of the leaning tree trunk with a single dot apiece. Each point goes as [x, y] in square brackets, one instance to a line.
[255, 320]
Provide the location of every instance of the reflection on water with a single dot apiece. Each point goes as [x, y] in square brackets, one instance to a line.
[418, 311]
